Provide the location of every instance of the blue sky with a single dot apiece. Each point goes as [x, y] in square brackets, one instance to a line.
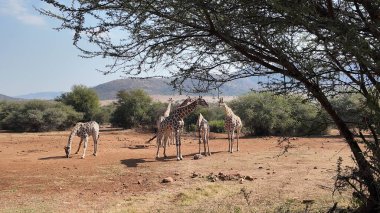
[36, 58]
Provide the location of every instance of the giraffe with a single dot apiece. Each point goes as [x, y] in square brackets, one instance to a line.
[84, 130]
[184, 103]
[175, 123]
[167, 111]
[204, 133]
[169, 139]
[232, 122]
[166, 114]
[161, 118]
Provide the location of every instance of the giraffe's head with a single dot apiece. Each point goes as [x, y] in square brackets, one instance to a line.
[201, 101]
[67, 151]
[170, 100]
[188, 99]
[221, 102]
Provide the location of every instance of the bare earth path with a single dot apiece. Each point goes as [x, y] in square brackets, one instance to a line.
[125, 176]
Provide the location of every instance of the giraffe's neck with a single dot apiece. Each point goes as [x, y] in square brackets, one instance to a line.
[72, 134]
[199, 120]
[167, 112]
[228, 111]
[184, 111]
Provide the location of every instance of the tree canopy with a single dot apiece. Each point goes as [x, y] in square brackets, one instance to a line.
[318, 47]
[82, 99]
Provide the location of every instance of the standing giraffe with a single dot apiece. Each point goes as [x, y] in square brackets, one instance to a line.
[84, 130]
[175, 123]
[161, 118]
[184, 103]
[166, 113]
[204, 133]
[232, 122]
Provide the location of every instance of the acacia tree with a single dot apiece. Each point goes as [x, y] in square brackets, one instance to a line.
[320, 47]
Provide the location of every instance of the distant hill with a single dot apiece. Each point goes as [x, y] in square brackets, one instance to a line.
[153, 86]
[41, 95]
[158, 86]
[7, 98]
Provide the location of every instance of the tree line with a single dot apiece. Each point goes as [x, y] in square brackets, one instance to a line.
[263, 113]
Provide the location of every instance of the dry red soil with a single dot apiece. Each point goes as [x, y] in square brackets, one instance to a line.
[125, 176]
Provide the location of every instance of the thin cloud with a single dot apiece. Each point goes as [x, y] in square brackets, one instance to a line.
[18, 10]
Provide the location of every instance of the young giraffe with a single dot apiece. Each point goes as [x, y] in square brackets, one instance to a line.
[204, 133]
[175, 123]
[84, 130]
[232, 122]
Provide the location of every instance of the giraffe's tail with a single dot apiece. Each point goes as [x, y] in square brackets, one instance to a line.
[151, 139]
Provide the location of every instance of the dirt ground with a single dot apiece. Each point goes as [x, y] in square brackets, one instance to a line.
[125, 176]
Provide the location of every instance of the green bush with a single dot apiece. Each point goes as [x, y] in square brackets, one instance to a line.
[269, 114]
[216, 126]
[82, 99]
[135, 109]
[103, 115]
[213, 112]
[36, 116]
[351, 108]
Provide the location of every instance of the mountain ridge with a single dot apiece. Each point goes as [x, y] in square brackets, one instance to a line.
[159, 86]
[153, 86]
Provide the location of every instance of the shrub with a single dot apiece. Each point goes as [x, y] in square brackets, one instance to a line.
[82, 99]
[36, 116]
[217, 126]
[103, 115]
[211, 113]
[133, 109]
[351, 108]
[269, 114]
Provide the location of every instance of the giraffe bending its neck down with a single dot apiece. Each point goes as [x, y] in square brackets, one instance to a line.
[232, 122]
[175, 123]
[84, 130]
[204, 133]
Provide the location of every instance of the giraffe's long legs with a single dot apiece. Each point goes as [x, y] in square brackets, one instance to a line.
[204, 136]
[199, 140]
[95, 137]
[85, 146]
[180, 144]
[207, 140]
[166, 137]
[80, 144]
[177, 146]
[232, 140]
[237, 137]
[159, 138]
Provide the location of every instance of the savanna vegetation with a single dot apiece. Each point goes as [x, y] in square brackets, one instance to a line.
[262, 113]
[320, 48]
[37, 116]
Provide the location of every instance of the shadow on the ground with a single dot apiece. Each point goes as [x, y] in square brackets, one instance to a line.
[52, 158]
[134, 162]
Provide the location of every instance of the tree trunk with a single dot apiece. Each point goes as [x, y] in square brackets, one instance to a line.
[365, 172]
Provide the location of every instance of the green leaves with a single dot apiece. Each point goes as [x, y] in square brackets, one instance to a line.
[270, 114]
[133, 109]
[37, 116]
[82, 99]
